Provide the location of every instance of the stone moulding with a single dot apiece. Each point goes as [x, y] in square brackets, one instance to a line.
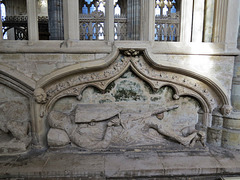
[22, 132]
[17, 81]
[73, 80]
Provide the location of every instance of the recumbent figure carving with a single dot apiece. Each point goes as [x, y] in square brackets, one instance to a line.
[94, 126]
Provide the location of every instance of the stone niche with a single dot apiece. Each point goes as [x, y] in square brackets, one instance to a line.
[15, 131]
[128, 114]
[130, 103]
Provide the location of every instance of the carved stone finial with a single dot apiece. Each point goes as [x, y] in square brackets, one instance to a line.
[131, 52]
[226, 110]
[40, 96]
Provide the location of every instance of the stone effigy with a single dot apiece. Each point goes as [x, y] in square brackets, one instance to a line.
[98, 126]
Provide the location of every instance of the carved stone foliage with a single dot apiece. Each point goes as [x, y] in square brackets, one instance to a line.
[14, 121]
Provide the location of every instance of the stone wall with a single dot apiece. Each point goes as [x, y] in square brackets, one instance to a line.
[198, 84]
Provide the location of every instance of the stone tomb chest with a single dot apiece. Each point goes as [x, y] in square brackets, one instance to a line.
[131, 103]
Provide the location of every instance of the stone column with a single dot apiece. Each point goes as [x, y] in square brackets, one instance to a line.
[109, 21]
[1, 33]
[236, 76]
[198, 17]
[209, 16]
[55, 19]
[147, 20]
[220, 19]
[71, 19]
[232, 24]
[133, 19]
[231, 124]
[32, 20]
[186, 21]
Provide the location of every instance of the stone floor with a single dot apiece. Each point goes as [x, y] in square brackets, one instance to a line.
[209, 164]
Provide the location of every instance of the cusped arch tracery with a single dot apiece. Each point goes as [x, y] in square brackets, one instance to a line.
[208, 93]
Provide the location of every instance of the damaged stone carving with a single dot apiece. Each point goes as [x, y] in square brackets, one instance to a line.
[14, 127]
[131, 52]
[40, 96]
[131, 78]
[99, 126]
[226, 110]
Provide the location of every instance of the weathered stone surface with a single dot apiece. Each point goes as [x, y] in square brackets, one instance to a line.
[218, 68]
[11, 147]
[214, 136]
[86, 113]
[123, 165]
[120, 127]
[14, 121]
[57, 137]
[231, 139]
[37, 65]
[184, 81]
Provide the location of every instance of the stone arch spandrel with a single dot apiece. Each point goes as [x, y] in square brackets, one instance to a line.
[70, 80]
[17, 80]
[213, 83]
[84, 66]
[18, 127]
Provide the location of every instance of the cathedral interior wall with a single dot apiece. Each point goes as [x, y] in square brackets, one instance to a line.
[138, 99]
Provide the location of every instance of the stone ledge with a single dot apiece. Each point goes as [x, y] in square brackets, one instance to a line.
[129, 164]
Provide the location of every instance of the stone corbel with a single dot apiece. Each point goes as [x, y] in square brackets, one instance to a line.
[41, 98]
[226, 110]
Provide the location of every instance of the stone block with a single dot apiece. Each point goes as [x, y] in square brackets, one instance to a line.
[99, 56]
[214, 136]
[11, 57]
[57, 137]
[78, 57]
[44, 57]
[231, 123]
[231, 139]
[217, 121]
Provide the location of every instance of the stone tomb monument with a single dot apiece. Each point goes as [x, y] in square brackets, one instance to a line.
[127, 104]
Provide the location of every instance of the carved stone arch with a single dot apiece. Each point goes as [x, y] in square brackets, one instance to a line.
[175, 89]
[74, 79]
[204, 104]
[17, 110]
[220, 93]
[71, 80]
[17, 81]
[177, 95]
[201, 101]
[78, 68]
